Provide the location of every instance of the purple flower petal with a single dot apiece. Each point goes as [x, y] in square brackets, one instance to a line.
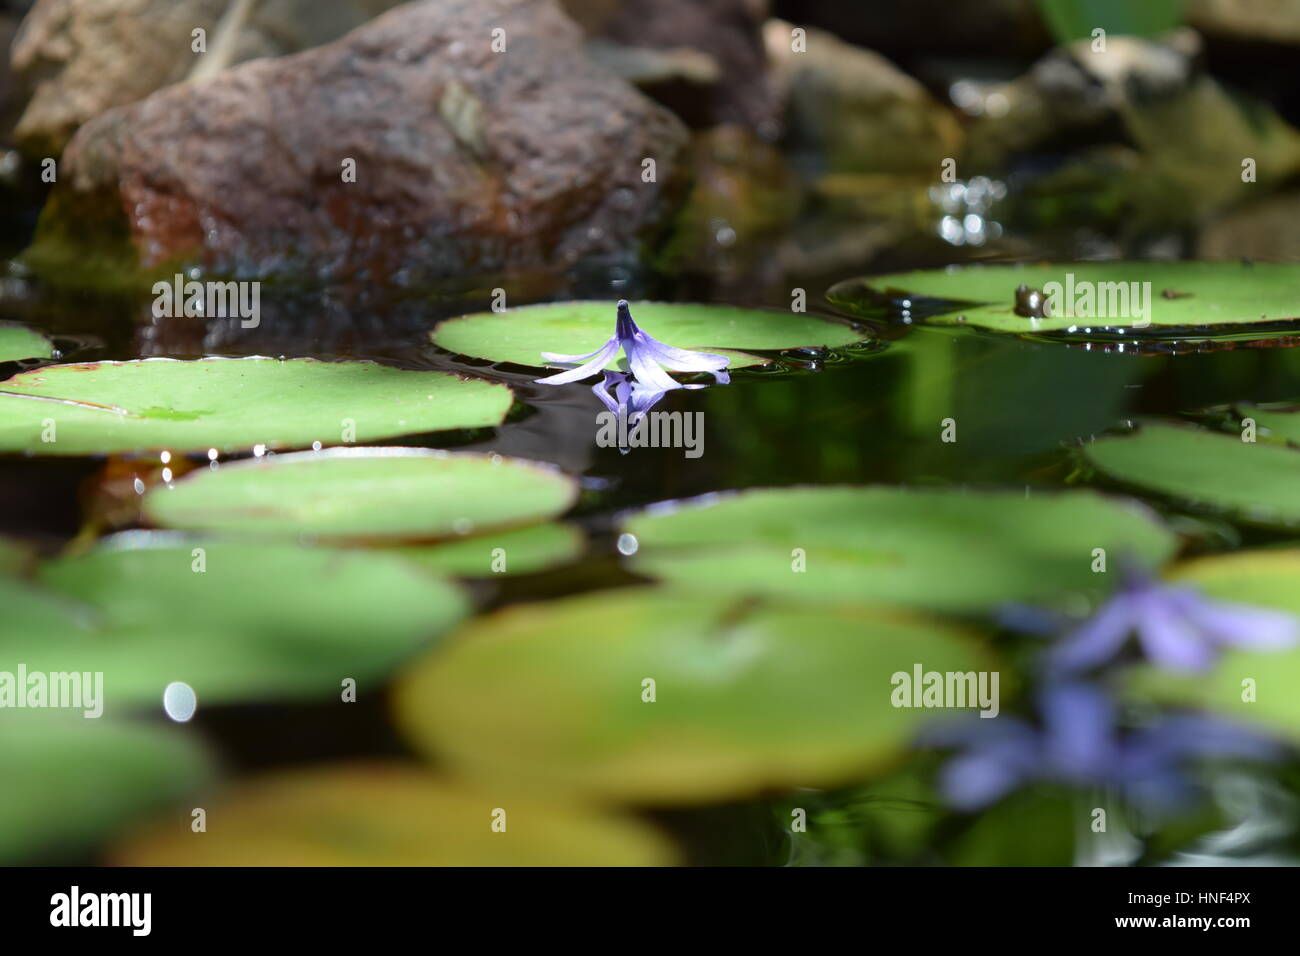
[1169, 637]
[597, 364]
[1078, 728]
[986, 773]
[1239, 625]
[1098, 639]
[646, 369]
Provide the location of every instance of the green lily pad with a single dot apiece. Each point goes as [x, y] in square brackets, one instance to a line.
[232, 405]
[748, 695]
[236, 621]
[18, 342]
[365, 493]
[1268, 579]
[522, 551]
[576, 328]
[71, 782]
[1281, 422]
[949, 550]
[1254, 482]
[1185, 300]
[382, 814]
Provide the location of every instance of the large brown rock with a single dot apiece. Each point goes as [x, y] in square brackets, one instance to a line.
[467, 160]
[82, 57]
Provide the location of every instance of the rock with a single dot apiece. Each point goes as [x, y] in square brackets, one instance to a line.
[1274, 21]
[467, 160]
[82, 57]
[1191, 136]
[851, 110]
[728, 33]
[744, 195]
[1264, 231]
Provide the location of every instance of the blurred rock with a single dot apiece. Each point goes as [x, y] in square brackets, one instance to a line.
[466, 160]
[1264, 231]
[744, 194]
[1274, 21]
[1191, 135]
[81, 57]
[727, 34]
[852, 111]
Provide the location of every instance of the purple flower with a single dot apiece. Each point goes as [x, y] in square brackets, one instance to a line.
[1176, 626]
[646, 357]
[1078, 744]
[625, 396]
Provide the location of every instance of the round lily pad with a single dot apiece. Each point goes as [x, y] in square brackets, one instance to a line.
[1254, 482]
[72, 782]
[522, 551]
[1253, 687]
[950, 550]
[520, 335]
[659, 698]
[391, 815]
[365, 493]
[232, 405]
[1096, 299]
[18, 342]
[236, 621]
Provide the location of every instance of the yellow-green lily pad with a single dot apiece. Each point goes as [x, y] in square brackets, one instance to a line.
[520, 335]
[522, 551]
[72, 782]
[233, 405]
[17, 342]
[389, 814]
[655, 697]
[1256, 483]
[1095, 300]
[237, 621]
[365, 494]
[946, 549]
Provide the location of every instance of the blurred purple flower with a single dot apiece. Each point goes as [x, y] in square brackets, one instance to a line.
[1078, 744]
[646, 357]
[1176, 626]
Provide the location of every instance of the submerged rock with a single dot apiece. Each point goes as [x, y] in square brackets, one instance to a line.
[410, 149]
[82, 57]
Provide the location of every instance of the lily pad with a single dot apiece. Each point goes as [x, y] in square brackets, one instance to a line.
[232, 405]
[520, 335]
[392, 815]
[71, 782]
[235, 621]
[949, 550]
[365, 493]
[1183, 299]
[523, 551]
[18, 342]
[1265, 579]
[1281, 422]
[1255, 482]
[747, 695]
